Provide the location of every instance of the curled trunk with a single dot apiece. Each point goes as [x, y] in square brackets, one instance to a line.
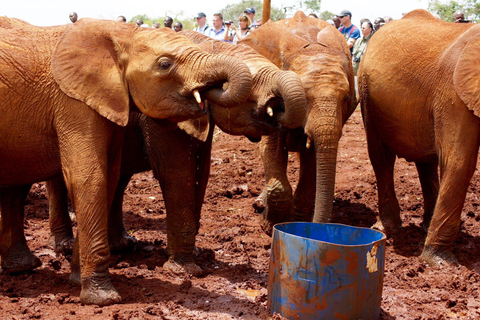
[291, 89]
[236, 74]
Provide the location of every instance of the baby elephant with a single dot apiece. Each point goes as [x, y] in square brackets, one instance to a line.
[420, 101]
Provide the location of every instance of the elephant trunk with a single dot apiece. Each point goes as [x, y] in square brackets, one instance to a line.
[326, 135]
[294, 99]
[236, 74]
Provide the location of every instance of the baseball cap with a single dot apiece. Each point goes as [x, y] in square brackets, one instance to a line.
[249, 10]
[200, 14]
[344, 13]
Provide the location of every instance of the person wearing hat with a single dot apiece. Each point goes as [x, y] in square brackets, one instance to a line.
[347, 29]
[250, 12]
[203, 28]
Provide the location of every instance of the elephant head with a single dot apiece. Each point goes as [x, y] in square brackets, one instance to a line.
[108, 65]
[320, 56]
[277, 97]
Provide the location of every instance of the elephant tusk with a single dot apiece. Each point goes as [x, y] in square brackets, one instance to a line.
[309, 143]
[270, 111]
[196, 94]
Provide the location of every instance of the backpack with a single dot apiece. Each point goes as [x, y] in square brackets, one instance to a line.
[348, 35]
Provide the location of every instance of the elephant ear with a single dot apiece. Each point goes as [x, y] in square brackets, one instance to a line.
[466, 77]
[196, 128]
[86, 66]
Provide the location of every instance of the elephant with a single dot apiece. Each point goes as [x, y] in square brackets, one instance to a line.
[419, 101]
[319, 55]
[179, 154]
[67, 92]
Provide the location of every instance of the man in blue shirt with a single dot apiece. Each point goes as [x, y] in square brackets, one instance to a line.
[348, 30]
[217, 31]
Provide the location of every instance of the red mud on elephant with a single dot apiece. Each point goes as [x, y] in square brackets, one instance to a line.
[235, 253]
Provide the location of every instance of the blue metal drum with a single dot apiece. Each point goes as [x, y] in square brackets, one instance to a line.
[326, 271]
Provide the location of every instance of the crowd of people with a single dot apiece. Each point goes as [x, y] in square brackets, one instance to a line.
[357, 39]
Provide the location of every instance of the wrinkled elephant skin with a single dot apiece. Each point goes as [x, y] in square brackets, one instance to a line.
[419, 98]
[67, 92]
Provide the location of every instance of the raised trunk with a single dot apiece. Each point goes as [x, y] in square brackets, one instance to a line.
[327, 133]
[236, 74]
[293, 93]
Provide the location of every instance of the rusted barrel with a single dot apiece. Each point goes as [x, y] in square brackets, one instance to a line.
[326, 271]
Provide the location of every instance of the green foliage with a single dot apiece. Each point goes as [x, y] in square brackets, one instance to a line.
[326, 15]
[233, 11]
[312, 5]
[471, 9]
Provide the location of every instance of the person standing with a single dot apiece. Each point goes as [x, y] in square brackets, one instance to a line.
[250, 13]
[217, 31]
[73, 17]
[178, 26]
[336, 22]
[378, 23]
[203, 28]
[167, 23]
[348, 30]
[121, 19]
[361, 45]
[243, 28]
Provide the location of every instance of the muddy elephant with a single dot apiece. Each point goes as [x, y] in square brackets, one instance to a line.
[319, 55]
[420, 101]
[66, 96]
[179, 154]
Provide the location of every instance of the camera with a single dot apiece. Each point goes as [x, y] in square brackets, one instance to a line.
[463, 21]
[228, 23]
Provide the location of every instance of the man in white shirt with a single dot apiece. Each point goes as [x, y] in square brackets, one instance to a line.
[202, 23]
[217, 31]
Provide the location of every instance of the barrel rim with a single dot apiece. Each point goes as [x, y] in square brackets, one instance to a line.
[276, 229]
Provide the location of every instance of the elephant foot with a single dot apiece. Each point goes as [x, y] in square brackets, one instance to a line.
[19, 259]
[438, 257]
[261, 202]
[178, 268]
[62, 245]
[75, 278]
[124, 243]
[99, 290]
[267, 226]
[390, 228]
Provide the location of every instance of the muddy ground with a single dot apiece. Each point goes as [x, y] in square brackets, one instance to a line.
[235, 253]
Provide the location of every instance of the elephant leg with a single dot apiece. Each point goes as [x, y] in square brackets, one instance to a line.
[278, 191]
[457, 163]
[304, 197]
[383, 162]
[15, 254]
[428, 174]
[118, 237]
[91, 168]
[61, 235]
[203, 159]
[172, 158]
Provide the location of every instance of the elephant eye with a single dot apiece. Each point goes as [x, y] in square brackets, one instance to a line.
[165, 64]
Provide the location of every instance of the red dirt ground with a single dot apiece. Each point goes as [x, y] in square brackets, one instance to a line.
[235, 253]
